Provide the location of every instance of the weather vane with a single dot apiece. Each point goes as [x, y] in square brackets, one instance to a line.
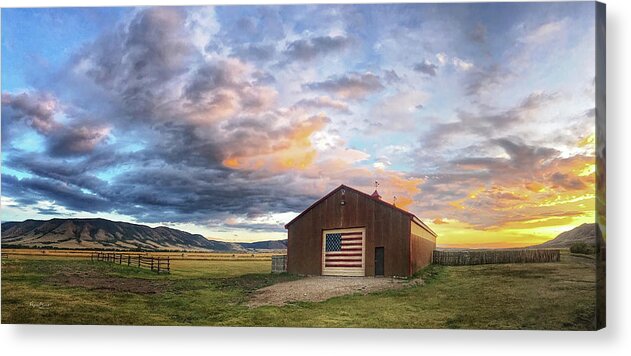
[376, 184]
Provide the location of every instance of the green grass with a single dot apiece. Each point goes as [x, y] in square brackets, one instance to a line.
[515, 296]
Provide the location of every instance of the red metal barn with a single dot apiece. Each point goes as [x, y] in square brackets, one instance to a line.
[350, 233]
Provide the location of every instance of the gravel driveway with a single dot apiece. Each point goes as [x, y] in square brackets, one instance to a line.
[320, 288]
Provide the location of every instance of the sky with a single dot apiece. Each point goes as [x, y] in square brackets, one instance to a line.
[228, 121]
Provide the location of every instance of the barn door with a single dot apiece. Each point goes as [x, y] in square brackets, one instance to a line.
[343, 252]
[378, 261]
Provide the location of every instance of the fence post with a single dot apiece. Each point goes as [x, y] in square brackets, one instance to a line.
[168, 264]
[128, 260]
[158, 264]
[151, 263]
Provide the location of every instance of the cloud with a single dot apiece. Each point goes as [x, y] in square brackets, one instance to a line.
[545, 32]
[198, 128]
[566, 181]
[222, 89]
[77, 141]
[391, 76]
[324, 102]
[484, 80]
[29, 191]
[255, 52]
[442, 58]
[426, 67]
[526, 183]
[489, 122]
[139, 60]
[36, 110]
[309, 49]
[461, 64]
[350, 86]
[190, 115]
[398, 111]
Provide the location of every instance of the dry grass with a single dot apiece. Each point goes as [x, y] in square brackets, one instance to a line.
[37, 289]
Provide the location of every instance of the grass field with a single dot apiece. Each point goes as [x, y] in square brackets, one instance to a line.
[73, 290]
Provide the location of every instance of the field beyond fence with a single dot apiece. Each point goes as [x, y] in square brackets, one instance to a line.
[461, 258]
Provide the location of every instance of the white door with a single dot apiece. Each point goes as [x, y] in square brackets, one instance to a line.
[343, 252]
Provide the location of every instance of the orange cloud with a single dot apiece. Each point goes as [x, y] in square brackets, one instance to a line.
[292, 150]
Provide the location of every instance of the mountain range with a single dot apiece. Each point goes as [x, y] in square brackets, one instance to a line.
[106, 234]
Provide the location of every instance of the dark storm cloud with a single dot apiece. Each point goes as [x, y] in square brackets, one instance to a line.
[29, 191]
[77, 174]
[309, 49]
[352, 85]
[76, 141]
[426, 67]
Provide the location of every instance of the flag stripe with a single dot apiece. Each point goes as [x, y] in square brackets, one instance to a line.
[344, 250]
[344, 265]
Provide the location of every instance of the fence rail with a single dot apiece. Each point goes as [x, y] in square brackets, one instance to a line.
[156, 264]
[461, 258]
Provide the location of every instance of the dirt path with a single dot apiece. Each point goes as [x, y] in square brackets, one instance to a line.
[320, 288]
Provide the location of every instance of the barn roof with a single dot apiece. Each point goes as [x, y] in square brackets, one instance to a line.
[415, 219]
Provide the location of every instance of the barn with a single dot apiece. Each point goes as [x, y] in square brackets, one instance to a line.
[351, 233]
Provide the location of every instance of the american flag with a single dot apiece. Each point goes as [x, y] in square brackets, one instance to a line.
[343, 249]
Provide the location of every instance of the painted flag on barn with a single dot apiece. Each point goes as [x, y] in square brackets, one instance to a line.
[343, 249]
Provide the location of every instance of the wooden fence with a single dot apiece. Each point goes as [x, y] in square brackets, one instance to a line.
[279, 263]
[461, 258]
[157, 264]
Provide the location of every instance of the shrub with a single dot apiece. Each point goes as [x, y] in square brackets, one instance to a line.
[583, 248]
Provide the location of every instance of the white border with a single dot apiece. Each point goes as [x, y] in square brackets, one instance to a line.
[615, 340]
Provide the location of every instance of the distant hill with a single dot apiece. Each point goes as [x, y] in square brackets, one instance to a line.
[106, 234]
[585, 233]
[265, 245]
